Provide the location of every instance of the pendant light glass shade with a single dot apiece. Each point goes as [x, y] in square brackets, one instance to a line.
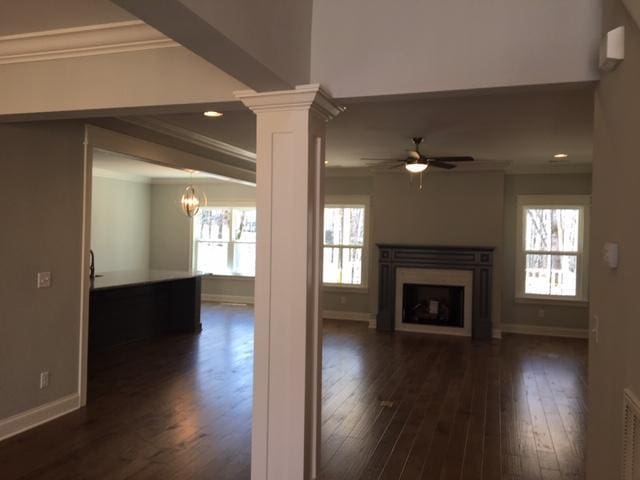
[192, 201]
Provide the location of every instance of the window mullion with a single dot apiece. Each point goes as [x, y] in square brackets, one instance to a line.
[230, 249]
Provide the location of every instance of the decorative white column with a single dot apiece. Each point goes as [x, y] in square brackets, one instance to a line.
[288, 349]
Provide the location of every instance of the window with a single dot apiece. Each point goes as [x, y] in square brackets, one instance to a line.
[552, 247]
[345, 243]
[225, 241]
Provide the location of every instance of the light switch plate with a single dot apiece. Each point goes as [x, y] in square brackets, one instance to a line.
[595, 330]
[610, 254]
[44, 380]
[44, 279]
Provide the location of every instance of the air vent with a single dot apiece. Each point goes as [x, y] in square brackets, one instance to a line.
[631, 446]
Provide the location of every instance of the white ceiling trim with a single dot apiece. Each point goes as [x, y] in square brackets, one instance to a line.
[219, 180]
[549, 168]
[190, 136]
[114, 175]
[84, 41]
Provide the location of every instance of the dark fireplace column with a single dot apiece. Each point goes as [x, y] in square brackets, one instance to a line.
[479, 260]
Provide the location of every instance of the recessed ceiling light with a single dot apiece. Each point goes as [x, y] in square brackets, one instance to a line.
[560, 155]
[213, 114]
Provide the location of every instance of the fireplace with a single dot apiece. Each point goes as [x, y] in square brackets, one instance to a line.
[435, 289]
[434, 300]
[437, 305]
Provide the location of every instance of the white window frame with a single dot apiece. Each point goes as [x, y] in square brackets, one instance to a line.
[350, 201]
[192, 239]
[583, 204]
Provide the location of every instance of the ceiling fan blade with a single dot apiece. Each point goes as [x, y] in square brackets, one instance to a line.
[450, 159]
[440, 164]
[384, 168]
[381, 159]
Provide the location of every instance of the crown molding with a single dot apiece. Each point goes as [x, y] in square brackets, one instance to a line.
[180, 133]
[121, 176]
[84, 41]
[549, 168]
[217, 180]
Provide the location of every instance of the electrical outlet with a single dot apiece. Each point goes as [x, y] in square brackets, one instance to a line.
[44, 279]
[343, 300]
[541, 313]
[44, 380]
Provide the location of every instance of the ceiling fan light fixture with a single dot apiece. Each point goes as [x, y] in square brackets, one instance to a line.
[416, 167]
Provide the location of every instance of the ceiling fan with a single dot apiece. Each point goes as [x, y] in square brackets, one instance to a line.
[417, 162]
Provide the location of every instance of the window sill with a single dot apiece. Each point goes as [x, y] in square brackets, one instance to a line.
[229, 277]
[552, 302]
[332, 287]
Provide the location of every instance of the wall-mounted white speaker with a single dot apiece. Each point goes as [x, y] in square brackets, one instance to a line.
[611, 49]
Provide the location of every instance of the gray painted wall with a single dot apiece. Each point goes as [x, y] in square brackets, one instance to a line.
[120, 222]
[452, 209]
[527, 313]
[614, 358]
[41, 189]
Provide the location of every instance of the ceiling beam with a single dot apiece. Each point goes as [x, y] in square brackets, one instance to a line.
[161, 133]
[199, 35]
[158, 152]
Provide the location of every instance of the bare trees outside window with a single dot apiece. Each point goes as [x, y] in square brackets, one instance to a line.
[551, 253]
[344, 233]
[225, 241]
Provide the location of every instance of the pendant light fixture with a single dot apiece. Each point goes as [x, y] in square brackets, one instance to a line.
[192, 200]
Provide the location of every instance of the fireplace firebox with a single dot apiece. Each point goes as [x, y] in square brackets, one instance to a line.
[439, 305]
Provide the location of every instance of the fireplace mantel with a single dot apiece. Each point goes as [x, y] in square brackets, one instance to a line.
[479, 260]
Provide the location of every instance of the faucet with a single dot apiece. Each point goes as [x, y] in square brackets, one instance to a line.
[92, 265]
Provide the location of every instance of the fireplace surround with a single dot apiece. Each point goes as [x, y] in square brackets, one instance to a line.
[395, 259]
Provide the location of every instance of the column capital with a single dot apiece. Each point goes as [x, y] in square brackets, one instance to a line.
[304, 97]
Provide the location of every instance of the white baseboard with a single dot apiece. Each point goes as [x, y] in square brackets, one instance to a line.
[37, 416]
[545, 331]
[353, 316]
[220, 298]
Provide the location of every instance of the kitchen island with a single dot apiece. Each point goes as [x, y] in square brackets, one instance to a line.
[128, 306]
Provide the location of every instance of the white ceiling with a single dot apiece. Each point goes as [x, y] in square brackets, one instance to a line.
[122, 166]
[517, 129]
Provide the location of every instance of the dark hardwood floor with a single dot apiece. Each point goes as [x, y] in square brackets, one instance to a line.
[394, 407]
